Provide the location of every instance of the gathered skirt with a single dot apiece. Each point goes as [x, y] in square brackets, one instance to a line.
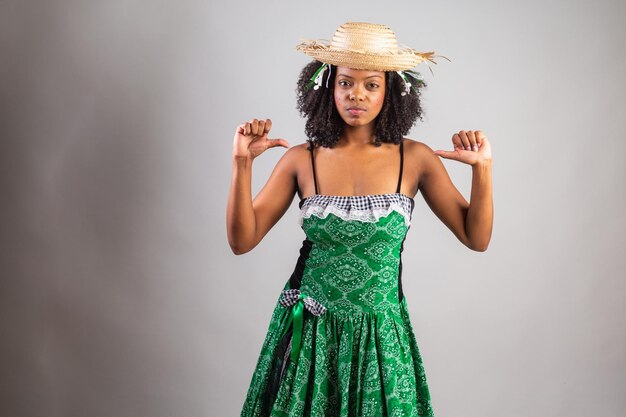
[365, 364]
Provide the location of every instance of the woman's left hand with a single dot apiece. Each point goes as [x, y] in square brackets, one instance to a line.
[470, 147]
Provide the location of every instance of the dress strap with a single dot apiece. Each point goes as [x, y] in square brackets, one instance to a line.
[401, 165]
[313, 166]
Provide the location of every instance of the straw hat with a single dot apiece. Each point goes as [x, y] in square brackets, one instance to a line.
[366, 46]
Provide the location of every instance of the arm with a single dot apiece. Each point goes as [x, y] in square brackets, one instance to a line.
[471, 222]
[248, 220]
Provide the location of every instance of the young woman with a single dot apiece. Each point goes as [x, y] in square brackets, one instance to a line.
[340, 342]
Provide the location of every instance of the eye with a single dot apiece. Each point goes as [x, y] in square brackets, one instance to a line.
[374, 85]
[343, 83]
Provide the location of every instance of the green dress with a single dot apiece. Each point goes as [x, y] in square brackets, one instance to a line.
[340, 342]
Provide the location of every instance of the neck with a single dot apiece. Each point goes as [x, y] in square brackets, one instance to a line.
[357, 135]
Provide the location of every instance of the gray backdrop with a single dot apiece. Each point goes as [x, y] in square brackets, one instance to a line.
[119, 294]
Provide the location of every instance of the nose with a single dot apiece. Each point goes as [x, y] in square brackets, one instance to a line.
[356, 94]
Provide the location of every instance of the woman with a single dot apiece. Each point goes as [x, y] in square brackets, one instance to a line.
[340, 342]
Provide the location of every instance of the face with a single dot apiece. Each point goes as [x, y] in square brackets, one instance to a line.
[359, 95]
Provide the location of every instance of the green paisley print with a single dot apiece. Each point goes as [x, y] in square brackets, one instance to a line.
[360, 357]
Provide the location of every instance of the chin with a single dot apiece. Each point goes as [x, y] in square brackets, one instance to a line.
[357, 122]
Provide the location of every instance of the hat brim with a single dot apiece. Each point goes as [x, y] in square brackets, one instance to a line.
[403, 60]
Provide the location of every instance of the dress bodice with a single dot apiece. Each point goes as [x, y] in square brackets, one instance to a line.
[353, 265]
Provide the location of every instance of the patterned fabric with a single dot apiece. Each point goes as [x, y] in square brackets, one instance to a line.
[367, 208]
[291, 297]
[361, 357]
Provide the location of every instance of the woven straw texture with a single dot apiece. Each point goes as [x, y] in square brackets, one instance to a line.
[366, 46]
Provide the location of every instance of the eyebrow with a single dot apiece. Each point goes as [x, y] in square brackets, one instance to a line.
[347, 76]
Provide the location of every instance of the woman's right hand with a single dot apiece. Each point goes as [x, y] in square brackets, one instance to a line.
[251, 139]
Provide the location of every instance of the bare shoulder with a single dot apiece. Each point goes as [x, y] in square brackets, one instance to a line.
[415, 149]
[299, 151]
[414, 152]
[294, 155]
[420, 160]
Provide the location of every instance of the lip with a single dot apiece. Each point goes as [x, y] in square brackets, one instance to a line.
[355, 111]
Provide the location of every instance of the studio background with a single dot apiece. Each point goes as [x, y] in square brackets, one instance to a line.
[119, 295]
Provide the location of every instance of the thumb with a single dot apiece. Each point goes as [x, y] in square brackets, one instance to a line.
[277, 142]
[446, 154]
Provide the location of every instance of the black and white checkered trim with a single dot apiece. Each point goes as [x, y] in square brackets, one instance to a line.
[290, 297]
[368, 208]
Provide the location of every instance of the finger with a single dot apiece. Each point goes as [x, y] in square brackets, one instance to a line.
[247, 129]
[261, 130]
[241, 129]
[268, 125]
[472, 138]
[465, 140]
[479, 137]
[255, 127]
[277, 142]
[456, 141]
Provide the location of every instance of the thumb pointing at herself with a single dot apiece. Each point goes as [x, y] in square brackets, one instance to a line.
[449, 154]
[458, 154]
[444, 154]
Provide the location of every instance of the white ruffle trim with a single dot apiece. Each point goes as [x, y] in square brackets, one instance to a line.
[371, 215]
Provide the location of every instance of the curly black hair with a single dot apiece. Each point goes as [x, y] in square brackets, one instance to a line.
[324, 125]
